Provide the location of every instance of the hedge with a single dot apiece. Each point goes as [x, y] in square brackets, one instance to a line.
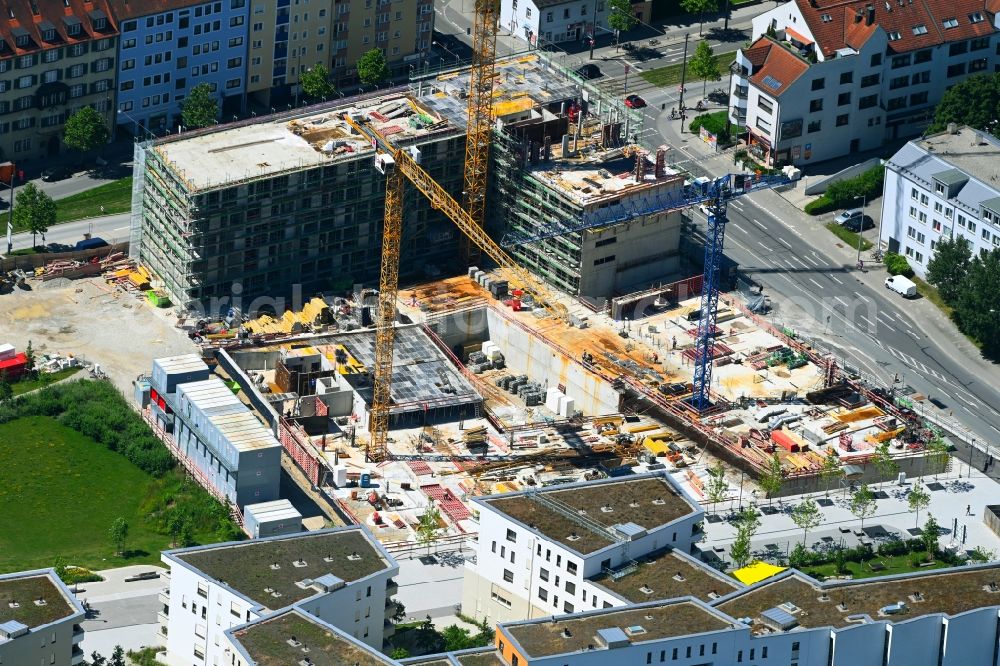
[896, 264]
[845, 193]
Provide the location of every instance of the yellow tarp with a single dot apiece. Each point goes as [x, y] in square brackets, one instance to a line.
[756, 572]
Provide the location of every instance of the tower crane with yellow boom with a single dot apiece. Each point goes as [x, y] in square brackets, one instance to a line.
[399, 166]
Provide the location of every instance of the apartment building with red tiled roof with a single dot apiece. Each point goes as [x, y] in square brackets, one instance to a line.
[826, 78]
[56, 56]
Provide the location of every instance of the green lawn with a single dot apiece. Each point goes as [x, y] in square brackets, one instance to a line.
[931, 293]
[116, 197]
[671, 74]
[896, 564]
[44, 379]
[849, 237]
[62, 491]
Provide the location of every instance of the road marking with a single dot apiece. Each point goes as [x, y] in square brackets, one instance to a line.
[888, 327]
[865, 319]
[912, 334]
[785, 243]
[758, 224]
[859, 295]
[840, 300]
[994, 427]
[800, 262]
[835, 279]
[818, 285]
[764, 246]
[968, 402]
[736, 204]
[121, 228]
[887, 315]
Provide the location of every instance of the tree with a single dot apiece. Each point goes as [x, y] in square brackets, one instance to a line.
[315, 81]
[918, 499]
[117, 657]
[831, 470]
[863, 504]
[59, 564]
[119, 533]
[929, 535]
[457, 638]
[620, 17]
[700, 7]
[974, 102]
[771, 479]
[716, 487]
[29, 355]
[399, 653]
[85, 130]
[949, 266]
[806, 515]
[6, 390]
[428, 527]
[977, 308]
[937, 455]
[34, 210]
[372, 67]
[739, 549]
[399, 612]
[199, 108]
[704, 65]
[887, 467]
[97, 660]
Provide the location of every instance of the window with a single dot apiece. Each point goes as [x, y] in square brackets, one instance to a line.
[543, 574]
[571, 567]
[876, 60]
[901, 61]
[921, 77]
[814, 126]
[922, 216]
[543, 594]
[899, 82]
[958, 48]
[843, 119]
[950, 23]
[818, 84]
[508, 575]
[570, 587]
[938, 206]
[914, 194]
[923, 199]
[918, 98]
[976, 17]
[977, 65]
[920, 29]
[868, 101]
[922, 56]
[896, 103]
[870, 80]
[936, 225]
[235, 21]
[843, 99]
[957, 69]
[568, 607]
[979, 44]
[816, 105]
[512, 536]
[765, 105]
[846, 77]
[894, 35]
[913, 212]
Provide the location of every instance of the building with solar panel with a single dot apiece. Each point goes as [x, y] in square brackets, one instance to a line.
[826, 78]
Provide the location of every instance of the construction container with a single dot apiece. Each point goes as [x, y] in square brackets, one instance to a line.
[7, 351]
[268, 519]
[567, 407]
[789, 441]
[142, 393]
[159, 299]
[170, 371]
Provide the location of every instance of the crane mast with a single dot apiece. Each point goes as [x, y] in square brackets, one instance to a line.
[479, 131]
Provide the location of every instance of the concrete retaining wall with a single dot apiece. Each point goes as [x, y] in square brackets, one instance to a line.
[819, 186]
[29, 262]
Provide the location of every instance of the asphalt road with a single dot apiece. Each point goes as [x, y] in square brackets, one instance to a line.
[112, 228]
[868, 329]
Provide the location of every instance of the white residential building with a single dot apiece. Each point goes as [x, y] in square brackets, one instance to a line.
[540, 551]
[294, 637]
[948, 617]
[39, 620]
[943, 185]
[340, 576]
[827, 78]
[541, 22]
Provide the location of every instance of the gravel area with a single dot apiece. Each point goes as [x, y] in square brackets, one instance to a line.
[93, 321]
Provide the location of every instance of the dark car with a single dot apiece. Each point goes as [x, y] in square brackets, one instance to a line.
[589, 71]
[91, 243]
[61, 172]
[857, 225]
[634, 102]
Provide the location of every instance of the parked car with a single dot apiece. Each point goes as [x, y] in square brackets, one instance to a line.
[859, 225]
[589, 71]
[848, 215]
[634, 102]
[901, 285]
[61, 172]
[91, 243]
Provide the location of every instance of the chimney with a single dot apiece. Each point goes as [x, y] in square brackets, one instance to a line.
[661, 164]
[952, 128]
[640, 171]
[870, 19]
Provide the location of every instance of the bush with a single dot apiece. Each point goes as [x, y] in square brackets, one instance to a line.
[892, 548]
[821, 205]
[846, 193]
[896, 264]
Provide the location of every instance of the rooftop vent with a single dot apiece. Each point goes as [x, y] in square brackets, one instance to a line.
[893, 609]
[14, 604]
[917, 597]
[294, 642]
[635, 630]
[573, 537]
[713, 595]
[40, 601]
[842, 606]
[268, 590]
[634, 505]
[305, 661]
[824, 597]
[679, 577]
[275, 566]
[646, 589]
[607, 508]
[991, 587]
[648, 617]
[354, 557]
[276, 594]
[299, 563]
[659, 501]
[566, 633]
[328, 559]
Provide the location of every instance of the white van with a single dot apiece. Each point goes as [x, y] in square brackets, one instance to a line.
[901, 285]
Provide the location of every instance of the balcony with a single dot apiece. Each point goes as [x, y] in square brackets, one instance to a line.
[77, 656]
[161, 635]
[77, 633]
[742, 92]
[163, 618]
[164, 596]
[391, 587]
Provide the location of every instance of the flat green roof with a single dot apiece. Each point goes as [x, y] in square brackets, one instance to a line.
[287, 639]
[24, 592]
[667, 575]
[261, 569]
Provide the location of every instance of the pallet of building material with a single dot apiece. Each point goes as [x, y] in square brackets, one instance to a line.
[831, 428]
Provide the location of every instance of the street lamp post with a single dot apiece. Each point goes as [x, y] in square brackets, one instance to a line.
[861, 225]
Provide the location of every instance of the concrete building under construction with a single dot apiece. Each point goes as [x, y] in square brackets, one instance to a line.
[255, 209]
